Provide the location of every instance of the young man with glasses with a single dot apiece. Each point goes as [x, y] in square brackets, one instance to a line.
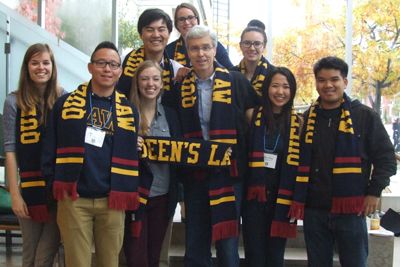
[187, 16]
[213, 103]
[88, 156]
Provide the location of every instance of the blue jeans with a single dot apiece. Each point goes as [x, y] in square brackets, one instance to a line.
[261, 250]
[323, 230]
[198, 229]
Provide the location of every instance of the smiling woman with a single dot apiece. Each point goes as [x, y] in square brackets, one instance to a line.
[186, 17]
[25, 112]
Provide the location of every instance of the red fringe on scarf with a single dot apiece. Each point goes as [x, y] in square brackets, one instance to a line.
[283, 229]
[347, 205]
[257, 192]
[123, 200]
[296, 211]
[136, 228]
[233, 168]
[39, 213]
[64, 189]
[224, 230]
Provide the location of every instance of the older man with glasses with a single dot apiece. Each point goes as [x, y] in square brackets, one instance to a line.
[213, 103]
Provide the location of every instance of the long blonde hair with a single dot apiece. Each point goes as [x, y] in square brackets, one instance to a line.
[27, 96]
[135, 93]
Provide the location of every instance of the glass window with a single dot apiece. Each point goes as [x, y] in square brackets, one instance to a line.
[84, 24]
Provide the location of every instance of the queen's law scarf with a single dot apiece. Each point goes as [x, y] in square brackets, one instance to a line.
[222, 129]
[71, 127]
[256, 183]
[33, 185]
[259, 74]
[347, 194]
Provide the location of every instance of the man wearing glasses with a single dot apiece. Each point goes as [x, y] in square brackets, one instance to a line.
[213, 103]
[89, 159]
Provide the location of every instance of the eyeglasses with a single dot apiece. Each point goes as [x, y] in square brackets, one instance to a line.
[102, 64]
[190, 18]
[248, 44]
[197, 49]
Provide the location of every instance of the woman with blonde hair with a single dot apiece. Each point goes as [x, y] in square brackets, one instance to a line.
[24, 120]
[142, 244]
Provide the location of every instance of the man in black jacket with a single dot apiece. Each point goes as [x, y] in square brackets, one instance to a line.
[342, 190]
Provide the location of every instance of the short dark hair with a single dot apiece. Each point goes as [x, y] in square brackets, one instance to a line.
[256, 23]
[153, 14]
[331, 62]
[104, 44]
[188, 6]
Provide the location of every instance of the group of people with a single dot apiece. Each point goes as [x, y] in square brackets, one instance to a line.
[109, 161]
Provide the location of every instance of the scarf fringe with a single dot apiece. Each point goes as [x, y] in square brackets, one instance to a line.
[123, 200]
[225, 229]
[233, 168]
[136, 228]
[347, 205]
[283, 229]
[39, 213]
[63, 189]
[296, 210]
[257, 192]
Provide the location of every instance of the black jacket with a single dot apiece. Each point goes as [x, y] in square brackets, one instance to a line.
[376, 150]
[175, 187]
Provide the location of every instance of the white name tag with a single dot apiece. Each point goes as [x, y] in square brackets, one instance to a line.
[94, 136]
[270, 160]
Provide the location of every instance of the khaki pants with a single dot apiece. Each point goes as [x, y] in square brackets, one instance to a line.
[84, 220]
[40, 241]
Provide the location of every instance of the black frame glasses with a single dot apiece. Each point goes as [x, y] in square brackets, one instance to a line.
[190, 18]
[248, 44]
[102, 64]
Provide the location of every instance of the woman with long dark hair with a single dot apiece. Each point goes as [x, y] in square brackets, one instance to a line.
[25, 112]
[273, 154]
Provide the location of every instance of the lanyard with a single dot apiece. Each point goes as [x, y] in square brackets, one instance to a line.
[91, 118]
[276, 143]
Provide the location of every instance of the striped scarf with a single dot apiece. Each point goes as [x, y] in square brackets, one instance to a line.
[347, 194]
[256, 189]
[130, 65]
[178, 151]
[180, 53]
[222, 129]
[259, 74]
[33, 185]
[71, 128]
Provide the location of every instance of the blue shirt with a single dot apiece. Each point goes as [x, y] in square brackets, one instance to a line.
[160, 171]
[204, 90]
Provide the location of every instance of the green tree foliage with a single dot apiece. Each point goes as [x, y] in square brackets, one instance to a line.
[128, 35]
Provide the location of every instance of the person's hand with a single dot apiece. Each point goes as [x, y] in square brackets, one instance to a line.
[229, 151]
[369, 206]
[140, 142]
[182, 72]
[19, 206]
